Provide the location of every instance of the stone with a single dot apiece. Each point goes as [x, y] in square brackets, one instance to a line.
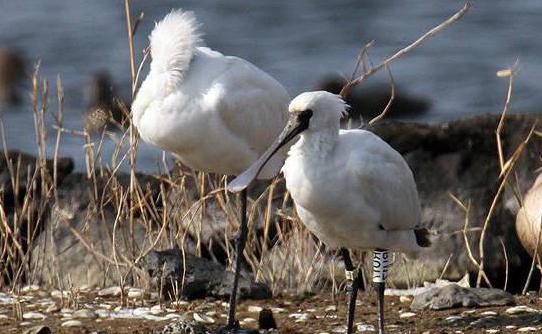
[254, 308]
[136, 293]
[527, 329]
[331, 308]
[53, 308]
[407, 315]
[34, 316]
[85, 313]
[72, 323]
[459, 158]
[113, 291]
[361, 327]
[202, 318]
[201, 278]
[521, 309]
[452, 296]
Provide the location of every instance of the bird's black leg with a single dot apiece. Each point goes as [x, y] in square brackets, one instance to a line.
[380, 273]
[241, 241]
[353, 277]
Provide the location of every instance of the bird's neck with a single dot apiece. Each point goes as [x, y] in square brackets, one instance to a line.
[318, 143]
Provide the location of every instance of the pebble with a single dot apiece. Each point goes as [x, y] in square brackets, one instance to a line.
[254, 309]
[520, 309]
[156, 309]
[249, 320]
[173, 316]
[202, 318]
[278, 310]
[72, 323]
[527, 329]
[489, 313]
[60, 294]
[136, 293]
[511, 327]
[53, 308]
[299, 317]
[85, 313]
[331, 308]
[180, 303]
[30, 288]
[3, 317]
[339, 329]
[113, 291]
[25, 323]
[453, 318]
[492, 331]
[365, 327]
[405, 299]
[34, 315]
[407, 315]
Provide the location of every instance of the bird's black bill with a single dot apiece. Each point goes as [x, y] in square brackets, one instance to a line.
[297, 123]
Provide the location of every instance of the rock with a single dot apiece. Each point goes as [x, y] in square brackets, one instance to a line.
[521, 309]
[113, 291]
[452, 296]
[365, 327]
[459, 158]
[254, 308]
[182, 327]
[202, 318]
[85, 314]
[75, 212]
[368, 102]
[34, 315]
[266, 320]
[527, 329]
[201, 276]
[136, 293]
[53, 308]
[405, 315]
[529, 218]
[38, 330]
[72, 323]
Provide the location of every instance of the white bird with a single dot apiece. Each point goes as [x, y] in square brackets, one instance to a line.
[216, 113]
[350, 188]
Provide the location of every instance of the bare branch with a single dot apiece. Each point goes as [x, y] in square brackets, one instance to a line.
[352, 83]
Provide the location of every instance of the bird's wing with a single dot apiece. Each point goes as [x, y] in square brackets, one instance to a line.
[255, 105]
[385, 182]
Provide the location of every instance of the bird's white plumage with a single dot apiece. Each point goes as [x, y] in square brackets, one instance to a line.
[216, 113]
[351, 189]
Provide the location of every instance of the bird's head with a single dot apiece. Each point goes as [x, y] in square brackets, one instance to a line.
[309, 111]
[317, 110]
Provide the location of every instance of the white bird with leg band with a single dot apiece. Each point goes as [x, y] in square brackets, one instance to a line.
[215, 113]
[350, 188]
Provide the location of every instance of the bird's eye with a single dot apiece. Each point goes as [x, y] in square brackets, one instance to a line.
[305, 115]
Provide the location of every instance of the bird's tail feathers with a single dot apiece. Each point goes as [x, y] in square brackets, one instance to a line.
[173, 42]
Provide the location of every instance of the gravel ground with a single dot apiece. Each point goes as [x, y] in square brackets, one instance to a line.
[95, 311]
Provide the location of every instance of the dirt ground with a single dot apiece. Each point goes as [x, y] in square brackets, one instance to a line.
[321, 315]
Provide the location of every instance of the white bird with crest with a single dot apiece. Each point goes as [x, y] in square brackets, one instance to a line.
[215, 113]
[350, 188]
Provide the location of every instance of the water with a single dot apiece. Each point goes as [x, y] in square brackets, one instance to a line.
[298, 42]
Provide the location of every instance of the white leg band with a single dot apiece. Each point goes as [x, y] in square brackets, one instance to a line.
[380, 266]
[351, 274]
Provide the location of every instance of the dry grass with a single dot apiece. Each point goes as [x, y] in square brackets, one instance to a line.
[280, 251]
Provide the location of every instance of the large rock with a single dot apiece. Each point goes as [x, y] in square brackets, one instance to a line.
[453, 295]
[367, 102]
[77, 247]
[188, 276]
[460, 158]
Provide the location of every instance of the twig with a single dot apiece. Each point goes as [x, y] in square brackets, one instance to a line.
[352, 83]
